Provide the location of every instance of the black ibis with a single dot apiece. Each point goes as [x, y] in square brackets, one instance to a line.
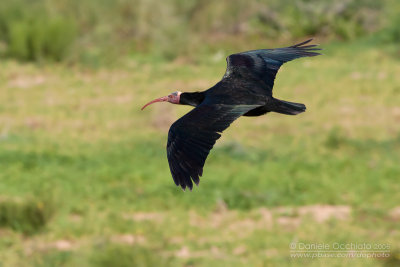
[244, 90]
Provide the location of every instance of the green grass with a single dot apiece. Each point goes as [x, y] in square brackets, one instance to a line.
[78, 154]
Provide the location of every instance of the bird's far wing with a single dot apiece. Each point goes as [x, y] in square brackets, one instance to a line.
[263, 64]
[191, 138]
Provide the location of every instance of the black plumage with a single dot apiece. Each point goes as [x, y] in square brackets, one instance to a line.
[191, 138]
[245, 90]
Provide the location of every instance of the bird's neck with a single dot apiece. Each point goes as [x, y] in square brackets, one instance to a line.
[191, 99]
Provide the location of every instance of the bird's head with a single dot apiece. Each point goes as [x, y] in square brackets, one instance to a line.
[173, 98]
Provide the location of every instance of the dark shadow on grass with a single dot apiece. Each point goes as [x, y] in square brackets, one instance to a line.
[27, 216]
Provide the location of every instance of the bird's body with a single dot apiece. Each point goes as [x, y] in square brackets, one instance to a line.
[245, 90]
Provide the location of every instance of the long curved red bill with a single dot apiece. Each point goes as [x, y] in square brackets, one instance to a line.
[161, 99]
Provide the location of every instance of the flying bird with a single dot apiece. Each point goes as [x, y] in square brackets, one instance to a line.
[244, 90]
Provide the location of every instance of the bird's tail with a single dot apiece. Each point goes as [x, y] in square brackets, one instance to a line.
[288, 108]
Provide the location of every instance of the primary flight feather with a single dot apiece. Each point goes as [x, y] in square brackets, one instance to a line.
[245, 90]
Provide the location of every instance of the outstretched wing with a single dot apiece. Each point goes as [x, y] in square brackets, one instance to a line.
[191, 138]
[263, 64]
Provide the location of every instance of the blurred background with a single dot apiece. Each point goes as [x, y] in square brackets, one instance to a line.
[84, 178]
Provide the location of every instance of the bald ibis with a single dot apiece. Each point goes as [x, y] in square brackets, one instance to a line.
[245, 90]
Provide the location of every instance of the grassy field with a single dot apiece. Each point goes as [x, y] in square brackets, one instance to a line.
[85, 179]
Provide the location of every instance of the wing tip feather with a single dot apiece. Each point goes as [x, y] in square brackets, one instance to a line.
[302, 43]
[307, 50]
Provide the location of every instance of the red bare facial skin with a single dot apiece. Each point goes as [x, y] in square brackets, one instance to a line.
[173, 98]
